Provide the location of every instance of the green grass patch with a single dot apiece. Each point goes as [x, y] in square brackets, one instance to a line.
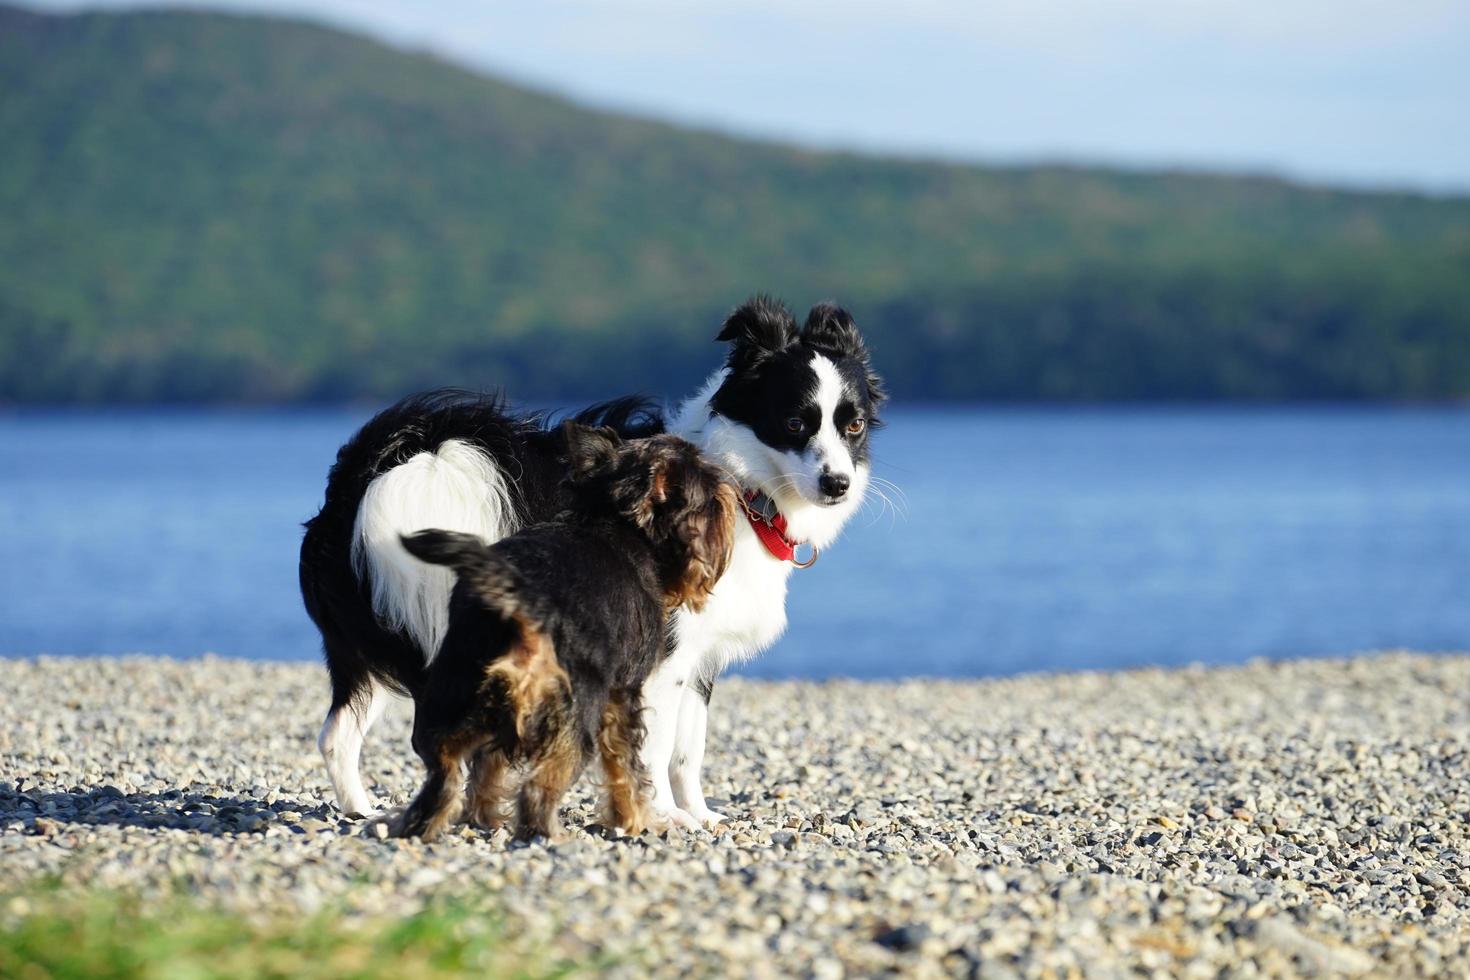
[51, 932]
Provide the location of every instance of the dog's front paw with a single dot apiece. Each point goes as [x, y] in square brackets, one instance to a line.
[664, 818]
[705, 816]
[361, 810]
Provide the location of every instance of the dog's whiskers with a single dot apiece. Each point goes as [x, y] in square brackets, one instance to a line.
[885, 504]
[897, 490]
[892, 497]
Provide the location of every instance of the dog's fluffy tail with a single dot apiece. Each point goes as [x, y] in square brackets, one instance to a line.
[457, 484]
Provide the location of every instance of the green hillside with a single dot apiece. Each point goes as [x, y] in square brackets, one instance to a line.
[207, 207]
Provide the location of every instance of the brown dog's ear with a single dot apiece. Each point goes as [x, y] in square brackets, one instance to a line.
[658, 480]
[644, 492]
[589, 451]
[708, 534]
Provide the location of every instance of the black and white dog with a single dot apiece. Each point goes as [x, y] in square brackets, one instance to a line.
[788, 417]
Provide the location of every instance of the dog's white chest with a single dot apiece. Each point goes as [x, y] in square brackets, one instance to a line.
[746, 612]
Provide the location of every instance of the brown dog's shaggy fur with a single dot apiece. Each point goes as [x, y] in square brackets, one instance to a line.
[554, 630]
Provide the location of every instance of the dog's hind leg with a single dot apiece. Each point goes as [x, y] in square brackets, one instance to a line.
[441, 799]
[488, 788]
[436, 805]
[554, 767]
[618, 741]
[351, 717]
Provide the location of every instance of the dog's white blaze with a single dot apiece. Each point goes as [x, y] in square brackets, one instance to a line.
[455, 488]
[807, 519]
[790, 479]
[827, 446]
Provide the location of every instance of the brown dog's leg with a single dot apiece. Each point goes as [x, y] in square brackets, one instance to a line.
[441, 798]
[488, 788]
[618, 742]
[554, 767]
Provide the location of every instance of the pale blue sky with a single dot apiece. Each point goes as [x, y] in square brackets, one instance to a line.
[1358, 92]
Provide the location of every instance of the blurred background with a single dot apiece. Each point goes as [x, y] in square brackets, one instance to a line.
[1173, 299]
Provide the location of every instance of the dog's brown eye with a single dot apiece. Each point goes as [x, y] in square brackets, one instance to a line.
[856, 427]
[793, 424]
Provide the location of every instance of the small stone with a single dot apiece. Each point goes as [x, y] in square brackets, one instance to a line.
[827, 968]
[902, 938]
[1431, 879]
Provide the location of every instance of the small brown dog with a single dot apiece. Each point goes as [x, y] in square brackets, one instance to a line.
[553, 631]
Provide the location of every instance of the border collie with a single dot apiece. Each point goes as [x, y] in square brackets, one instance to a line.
[553, 631]
[788, 416]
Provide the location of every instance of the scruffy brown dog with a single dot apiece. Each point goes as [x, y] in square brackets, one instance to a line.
[553, 630]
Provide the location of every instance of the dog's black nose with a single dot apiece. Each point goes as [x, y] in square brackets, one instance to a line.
[834, 484]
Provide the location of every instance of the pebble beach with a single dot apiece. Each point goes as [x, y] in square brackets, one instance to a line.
[1276, 819]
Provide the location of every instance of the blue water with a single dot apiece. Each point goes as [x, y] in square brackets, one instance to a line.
[1025, 540]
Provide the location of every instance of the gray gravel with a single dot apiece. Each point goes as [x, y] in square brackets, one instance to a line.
[1277, 819]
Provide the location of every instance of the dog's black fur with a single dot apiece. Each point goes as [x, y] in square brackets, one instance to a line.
[553, 631]
[358, 648]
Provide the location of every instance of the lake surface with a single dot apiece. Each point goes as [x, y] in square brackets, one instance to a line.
[1024, 540]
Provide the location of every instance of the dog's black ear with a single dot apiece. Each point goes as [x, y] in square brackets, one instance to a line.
[830, 329]
[760, 327]
[589, 450]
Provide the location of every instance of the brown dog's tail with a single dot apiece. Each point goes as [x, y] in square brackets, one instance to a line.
[490, 576]
[534, 682]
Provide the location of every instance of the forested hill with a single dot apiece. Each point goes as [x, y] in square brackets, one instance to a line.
[207, 207]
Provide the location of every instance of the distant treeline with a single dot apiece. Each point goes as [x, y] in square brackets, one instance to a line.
[199, 207]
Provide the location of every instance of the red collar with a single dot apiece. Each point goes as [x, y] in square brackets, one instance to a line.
[772, 530]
